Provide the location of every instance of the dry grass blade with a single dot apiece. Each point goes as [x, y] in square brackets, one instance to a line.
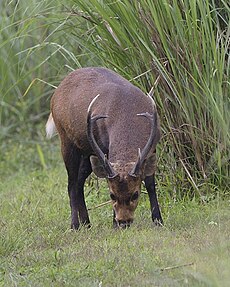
[176, 266]
[100, 205]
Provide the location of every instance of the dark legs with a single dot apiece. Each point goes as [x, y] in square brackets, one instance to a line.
[78, 169]
[84, 171]
[155, 210]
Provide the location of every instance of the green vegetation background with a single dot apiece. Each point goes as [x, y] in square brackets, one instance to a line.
[177, 49]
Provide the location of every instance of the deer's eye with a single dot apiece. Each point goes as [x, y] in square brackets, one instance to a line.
[135, 196]
[112, 196]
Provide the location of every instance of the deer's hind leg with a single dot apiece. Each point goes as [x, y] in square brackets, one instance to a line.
[72, 158]
[84, 171]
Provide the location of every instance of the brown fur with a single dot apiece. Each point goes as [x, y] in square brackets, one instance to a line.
[119, 136]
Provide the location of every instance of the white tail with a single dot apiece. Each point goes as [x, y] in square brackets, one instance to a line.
[50, 127]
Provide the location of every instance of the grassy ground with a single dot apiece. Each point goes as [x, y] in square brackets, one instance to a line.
[187, 45]
[37, 248]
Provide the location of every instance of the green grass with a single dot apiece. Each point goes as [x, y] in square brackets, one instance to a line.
[37, 247]
[186, 43]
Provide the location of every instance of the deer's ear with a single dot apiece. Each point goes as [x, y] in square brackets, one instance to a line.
[150, 166]
[97, 167]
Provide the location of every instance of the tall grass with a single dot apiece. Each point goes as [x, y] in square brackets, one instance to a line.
[179, 49]
[186, 43]
[33, 59]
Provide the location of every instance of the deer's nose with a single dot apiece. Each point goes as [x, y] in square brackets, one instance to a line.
[124, 223]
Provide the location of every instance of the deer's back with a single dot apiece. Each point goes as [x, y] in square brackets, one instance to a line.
[118, 99]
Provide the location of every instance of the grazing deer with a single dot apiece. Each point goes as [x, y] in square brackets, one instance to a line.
[108, 126]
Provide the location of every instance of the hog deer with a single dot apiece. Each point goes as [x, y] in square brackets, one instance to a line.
[108, 126]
